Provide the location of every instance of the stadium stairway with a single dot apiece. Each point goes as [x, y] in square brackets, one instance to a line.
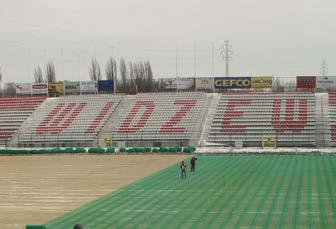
[196, 135]
[322, 131]
[208, 120]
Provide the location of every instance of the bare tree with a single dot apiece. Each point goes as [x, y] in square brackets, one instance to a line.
[123, 75]
[111, 69]
[9, 89]
[38, 76]
[142, 77]
[279, 86]
[149, 77]
[137, 77]
[50, 72]
[131, 72]
[94, 70]
[0, 81]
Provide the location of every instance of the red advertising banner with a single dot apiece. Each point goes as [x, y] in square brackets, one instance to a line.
[305, 81]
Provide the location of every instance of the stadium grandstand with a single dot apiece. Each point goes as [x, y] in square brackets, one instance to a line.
[214, 111]
[67, 121]
[14, 111]
[247, 117]
[159, 119]
[332, 117]
[235, 119]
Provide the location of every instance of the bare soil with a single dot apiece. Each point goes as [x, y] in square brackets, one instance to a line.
[36, 189]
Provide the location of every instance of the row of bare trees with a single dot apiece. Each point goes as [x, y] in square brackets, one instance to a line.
[134, 76]
[50, 75]
[9, 88]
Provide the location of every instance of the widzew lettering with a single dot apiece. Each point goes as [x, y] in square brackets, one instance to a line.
[60, 118]
[102, 114]
[128, 126]
[170, 125]
[289, 123]
[230, 113]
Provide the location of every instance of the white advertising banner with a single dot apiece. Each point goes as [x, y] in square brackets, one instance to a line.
[88, 87]
[326, 82]
[186, 83]
[169, 83]
[23, 89]
[39, 88]
[204, 83]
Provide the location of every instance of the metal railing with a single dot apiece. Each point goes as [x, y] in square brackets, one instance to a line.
[157, 139]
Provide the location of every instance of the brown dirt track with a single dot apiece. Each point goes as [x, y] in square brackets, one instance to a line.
[36, 189]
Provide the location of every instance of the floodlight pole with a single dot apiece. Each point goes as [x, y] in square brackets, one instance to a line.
[176, 72]
[324, 68]
[226, 53]
[195, 61]
[227, 58]
[213, 65]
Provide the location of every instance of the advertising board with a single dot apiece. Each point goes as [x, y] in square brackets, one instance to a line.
[261, 82]
[72, 88]
[105, 86]
[232, 82]
[204, 83]
[88, 87]
[305, 81]
[39, 88]
[23, 89]
[55, 88]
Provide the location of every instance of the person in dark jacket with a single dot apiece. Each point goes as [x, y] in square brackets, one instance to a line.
[77, 226]
[193, 163]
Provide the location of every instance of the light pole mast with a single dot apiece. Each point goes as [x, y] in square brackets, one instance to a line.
[324, 68]
[176, 72]
[226, 53]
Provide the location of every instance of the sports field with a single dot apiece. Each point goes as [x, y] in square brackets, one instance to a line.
[38, 188]
[224, 192]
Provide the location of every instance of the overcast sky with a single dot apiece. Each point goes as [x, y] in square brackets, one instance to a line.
[280, 38]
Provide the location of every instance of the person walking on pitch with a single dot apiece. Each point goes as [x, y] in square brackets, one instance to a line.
[184, 169]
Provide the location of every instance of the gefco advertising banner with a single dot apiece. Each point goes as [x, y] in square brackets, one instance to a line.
[39, 89]
[326, 82]
[168, 83]
[56, 88]
[23, 89]
[186, 84]
[223, 83]
[260, 82]
[88, 87]
[204, 83]
[306, 82]
[105, 86]
[72, 88]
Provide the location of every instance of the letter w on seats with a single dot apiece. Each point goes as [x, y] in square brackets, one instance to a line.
[60, 118]
[288, 123]
[230, 113]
